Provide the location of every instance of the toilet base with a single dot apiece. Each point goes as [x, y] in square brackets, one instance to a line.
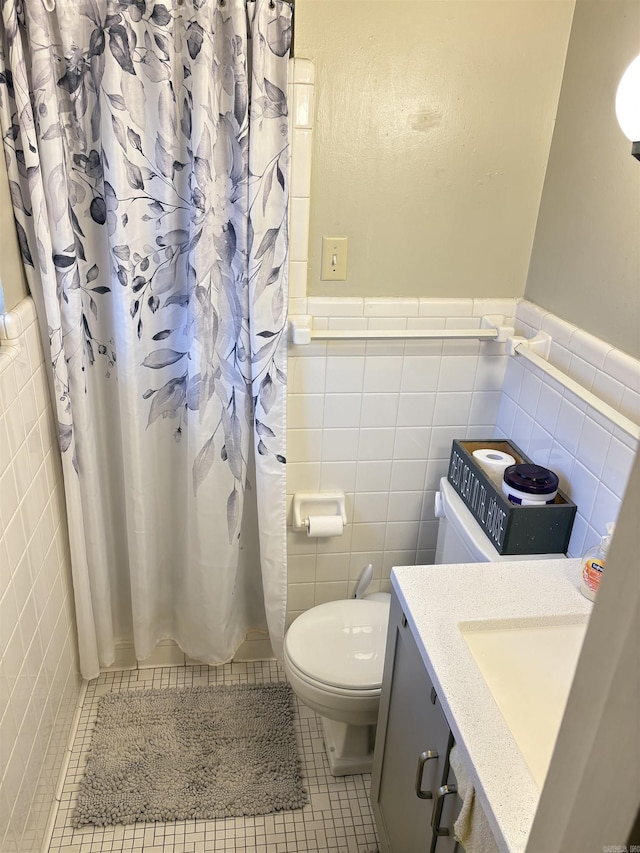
[349, 748]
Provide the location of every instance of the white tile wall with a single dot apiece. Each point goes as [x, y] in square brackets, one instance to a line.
[301, 117]
[376, 419]
[592, 456]
[39, 681]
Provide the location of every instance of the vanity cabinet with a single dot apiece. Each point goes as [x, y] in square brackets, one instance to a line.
[414, 813]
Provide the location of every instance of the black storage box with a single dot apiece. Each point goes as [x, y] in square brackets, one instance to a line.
[510, 528]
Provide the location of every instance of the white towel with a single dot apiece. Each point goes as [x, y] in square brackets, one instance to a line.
[471, 829]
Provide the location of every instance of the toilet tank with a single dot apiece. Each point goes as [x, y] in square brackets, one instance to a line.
[460, 537]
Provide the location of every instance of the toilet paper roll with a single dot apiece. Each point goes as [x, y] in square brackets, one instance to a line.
[325, 525]
[493, 461]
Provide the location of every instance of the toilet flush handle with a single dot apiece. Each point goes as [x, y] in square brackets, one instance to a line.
[438, 506]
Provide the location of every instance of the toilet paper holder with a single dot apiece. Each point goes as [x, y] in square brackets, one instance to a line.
[306, 504]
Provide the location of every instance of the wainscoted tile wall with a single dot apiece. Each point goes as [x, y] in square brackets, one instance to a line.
[39, 681]
[592, 457]
[376, 419]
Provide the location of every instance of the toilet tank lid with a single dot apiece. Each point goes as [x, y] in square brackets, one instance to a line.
[341, 643]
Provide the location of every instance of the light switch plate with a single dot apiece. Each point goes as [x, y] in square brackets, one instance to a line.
[334, 259]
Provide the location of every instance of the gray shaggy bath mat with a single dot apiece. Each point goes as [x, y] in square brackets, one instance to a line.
[201, 752]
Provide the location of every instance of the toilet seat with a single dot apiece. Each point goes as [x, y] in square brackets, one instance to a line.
[329, 689]
[339, 646]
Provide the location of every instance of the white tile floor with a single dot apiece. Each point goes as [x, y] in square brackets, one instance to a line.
[337, 819]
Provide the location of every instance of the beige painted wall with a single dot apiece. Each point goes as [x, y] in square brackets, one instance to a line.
[12, 280]
[585, 264]
[433, 125]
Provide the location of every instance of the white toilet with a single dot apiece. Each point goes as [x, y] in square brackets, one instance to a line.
[334, 652]
[334, 658]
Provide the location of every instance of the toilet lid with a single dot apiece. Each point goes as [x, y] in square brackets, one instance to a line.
[341, 643]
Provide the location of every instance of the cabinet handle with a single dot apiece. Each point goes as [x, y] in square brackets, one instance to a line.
[437, 808]
[424, 757]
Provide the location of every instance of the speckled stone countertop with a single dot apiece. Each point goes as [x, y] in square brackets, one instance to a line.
[435, 600]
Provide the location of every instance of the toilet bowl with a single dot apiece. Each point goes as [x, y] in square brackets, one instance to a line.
[334, 658]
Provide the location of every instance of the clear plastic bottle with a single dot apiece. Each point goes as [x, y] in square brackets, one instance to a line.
[594, 561]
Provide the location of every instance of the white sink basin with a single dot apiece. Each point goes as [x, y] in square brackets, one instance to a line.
[528, 665]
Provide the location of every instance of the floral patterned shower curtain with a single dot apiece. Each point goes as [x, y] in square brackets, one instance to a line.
[147, 151]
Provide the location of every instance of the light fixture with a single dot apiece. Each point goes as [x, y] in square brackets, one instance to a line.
[628, 105]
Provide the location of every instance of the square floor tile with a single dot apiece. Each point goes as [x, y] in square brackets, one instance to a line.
[337, 818]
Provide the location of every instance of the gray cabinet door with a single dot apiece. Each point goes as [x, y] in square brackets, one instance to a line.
[412, 733]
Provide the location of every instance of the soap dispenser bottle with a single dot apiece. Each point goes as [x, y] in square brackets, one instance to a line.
[593, 564]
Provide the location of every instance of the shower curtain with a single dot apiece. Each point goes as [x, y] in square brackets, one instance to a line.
[147, 150]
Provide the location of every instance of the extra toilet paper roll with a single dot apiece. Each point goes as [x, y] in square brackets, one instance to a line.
[493, 461]
[325, 525]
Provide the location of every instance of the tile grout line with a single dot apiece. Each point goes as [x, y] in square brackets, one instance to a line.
[62, 775]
